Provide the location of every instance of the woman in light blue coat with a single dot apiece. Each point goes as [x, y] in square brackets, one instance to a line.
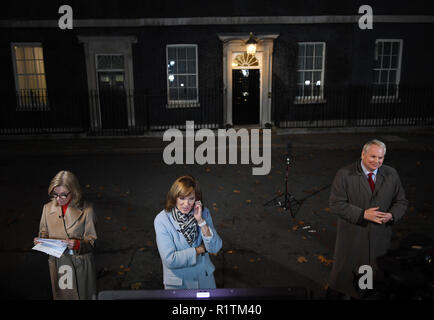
[185, 235]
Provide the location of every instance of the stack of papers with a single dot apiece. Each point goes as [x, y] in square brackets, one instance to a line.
[51, 246]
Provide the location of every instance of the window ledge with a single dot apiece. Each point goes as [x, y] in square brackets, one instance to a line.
[315, 100]
[32, 108]
[182, 104]
[385, 99]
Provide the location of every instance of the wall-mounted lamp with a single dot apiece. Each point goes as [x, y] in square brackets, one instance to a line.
[251, 44]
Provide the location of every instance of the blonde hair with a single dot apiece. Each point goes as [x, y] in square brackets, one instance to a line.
[70, 181]
[377, 143]
[182, 187]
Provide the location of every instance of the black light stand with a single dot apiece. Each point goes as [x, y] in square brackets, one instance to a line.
[290, 202]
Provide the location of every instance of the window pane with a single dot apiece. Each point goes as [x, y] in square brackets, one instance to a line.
[171, 53]
[387, 48]
[182, 53]
[182, 94]
[300, 63]
[318, 50]
[103, 62]
[307, 78]
[19, 53]
[191, 81]
[20, 67]
[172, 67]
[394, 62]
[191, 66]
[309, 50]
[38, 53]
[28, 53]
[386, 62]
[182, 66]
[182, 81]
[316, 77]
[117, 62]
[173, 81]
[309, 63]
[318, 63]
[191, 53]
[30, 66]
[301, 50]
[395, 48]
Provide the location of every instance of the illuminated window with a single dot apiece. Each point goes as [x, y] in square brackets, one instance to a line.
[30, 82]
[310, 71]
[182, 75]
[387, 68]
[245, 60]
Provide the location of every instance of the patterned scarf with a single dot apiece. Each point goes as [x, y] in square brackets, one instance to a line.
[187, 223]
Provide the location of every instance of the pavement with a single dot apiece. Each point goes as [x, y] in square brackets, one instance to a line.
[263, 246]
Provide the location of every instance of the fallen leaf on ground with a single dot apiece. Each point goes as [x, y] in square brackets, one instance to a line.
[324, 260]
[251, 260]
[108, 218]
[249, 201]
[236, 191]
[136, 286]
[301, 259]
[121, 266]
[141, 249]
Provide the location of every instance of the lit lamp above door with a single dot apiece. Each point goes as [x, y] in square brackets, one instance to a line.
[251, 44]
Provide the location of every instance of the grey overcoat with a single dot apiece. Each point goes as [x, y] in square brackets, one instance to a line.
[359, 241]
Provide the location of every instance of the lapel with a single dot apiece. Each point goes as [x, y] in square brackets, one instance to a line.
[363, 179]
[379, 180]
[72, 215]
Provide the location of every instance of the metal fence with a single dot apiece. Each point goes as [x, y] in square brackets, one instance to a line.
[106, 112]
[118, 112]
[356, 106]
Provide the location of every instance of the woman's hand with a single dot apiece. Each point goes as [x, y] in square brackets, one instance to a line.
[198, 211]
[35, 241]
[71, 243]
[200, 249]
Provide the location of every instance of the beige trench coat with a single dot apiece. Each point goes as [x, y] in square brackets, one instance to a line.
[76, 224]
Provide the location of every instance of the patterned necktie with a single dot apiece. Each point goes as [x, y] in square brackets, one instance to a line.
[371, 181]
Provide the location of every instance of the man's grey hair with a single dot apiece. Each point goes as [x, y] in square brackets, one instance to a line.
[376, 142]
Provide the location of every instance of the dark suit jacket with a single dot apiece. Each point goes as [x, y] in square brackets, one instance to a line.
[359, 241]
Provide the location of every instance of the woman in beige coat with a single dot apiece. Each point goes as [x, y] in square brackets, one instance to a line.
[67, 217]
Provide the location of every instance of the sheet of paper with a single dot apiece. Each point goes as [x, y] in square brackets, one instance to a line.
[51, 246]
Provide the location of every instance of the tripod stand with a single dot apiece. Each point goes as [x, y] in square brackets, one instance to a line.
[289, 202]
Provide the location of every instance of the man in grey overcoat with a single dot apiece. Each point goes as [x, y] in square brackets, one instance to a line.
[368, 199]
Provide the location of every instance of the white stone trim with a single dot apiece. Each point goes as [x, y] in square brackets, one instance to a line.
[94, 45]
[188, 21]
[235, 43]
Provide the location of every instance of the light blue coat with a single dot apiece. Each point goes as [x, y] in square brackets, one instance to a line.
[182, 267]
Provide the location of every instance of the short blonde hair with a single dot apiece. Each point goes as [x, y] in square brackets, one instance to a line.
[182, 187]
[70, 181]
[376, 142]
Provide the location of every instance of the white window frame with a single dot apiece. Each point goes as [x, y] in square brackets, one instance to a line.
[21, 106]
[194, 103]
[312, 99]
[389, 98]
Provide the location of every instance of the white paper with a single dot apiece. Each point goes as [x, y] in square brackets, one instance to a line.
[52, 247]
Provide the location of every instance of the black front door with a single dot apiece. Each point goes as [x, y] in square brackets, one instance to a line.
[245, 96]
[112, 99]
